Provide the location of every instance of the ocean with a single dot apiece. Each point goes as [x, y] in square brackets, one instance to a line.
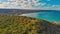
[49, 15]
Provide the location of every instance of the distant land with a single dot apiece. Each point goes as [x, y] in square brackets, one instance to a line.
[16, 11]
[20, 11]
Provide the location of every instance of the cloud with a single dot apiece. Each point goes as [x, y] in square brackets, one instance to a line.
[15, 4]
[27, 4]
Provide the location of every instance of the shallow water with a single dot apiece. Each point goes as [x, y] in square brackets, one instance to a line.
[53, 16]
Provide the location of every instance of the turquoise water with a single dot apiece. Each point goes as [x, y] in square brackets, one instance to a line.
[53, 16]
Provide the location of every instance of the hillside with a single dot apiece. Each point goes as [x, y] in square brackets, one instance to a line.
[26, 25]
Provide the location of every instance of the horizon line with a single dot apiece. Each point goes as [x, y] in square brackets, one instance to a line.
[33, 8]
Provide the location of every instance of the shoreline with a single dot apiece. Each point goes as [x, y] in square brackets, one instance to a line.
[57, 23]
[28, 14]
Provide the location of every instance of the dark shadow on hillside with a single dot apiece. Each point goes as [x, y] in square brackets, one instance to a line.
[51, 28]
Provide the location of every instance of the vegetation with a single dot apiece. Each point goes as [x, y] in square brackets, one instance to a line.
[22, 25]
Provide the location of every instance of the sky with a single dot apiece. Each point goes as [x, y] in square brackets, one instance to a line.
[52, 2]
[38, 4]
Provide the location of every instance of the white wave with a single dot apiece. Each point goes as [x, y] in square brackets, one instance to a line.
[30, 14]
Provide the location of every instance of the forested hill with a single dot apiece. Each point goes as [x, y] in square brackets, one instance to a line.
[26, 25]
[16, 11]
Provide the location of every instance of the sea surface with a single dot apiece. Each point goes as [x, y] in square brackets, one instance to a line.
[49, 15]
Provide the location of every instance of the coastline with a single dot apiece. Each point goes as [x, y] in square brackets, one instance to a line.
[28, 14]
[57, 23]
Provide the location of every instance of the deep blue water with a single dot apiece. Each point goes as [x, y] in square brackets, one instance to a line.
[49, 15]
